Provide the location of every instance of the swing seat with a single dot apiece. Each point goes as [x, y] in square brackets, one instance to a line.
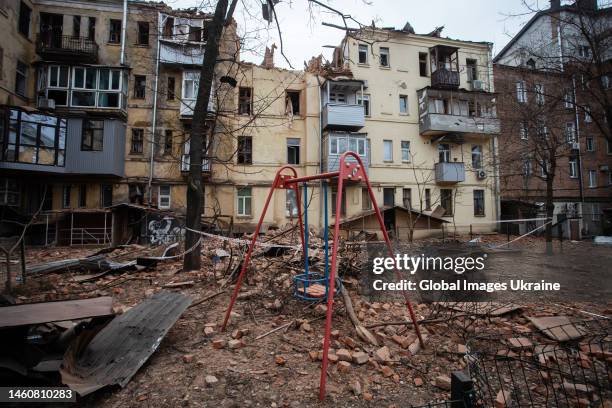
[310, 287]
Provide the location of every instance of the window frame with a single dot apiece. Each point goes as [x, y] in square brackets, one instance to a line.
[539, 94]
[388, 143]
[21, 28]
[423, 64]
[573, 167]
[21, 75]
[143, 33]
[83, 196]
[366, 201]
[164, 196]
[364, 100]
[521, 92]
[384, 52]
[405, 148]
[244, 198]
[244, 153]
[407, 196]
[362, 49]
[114, 35]
[170, 88]
[592, 180]
[92, 130]
[444, 153]
[140, 88]
[137, 138]
[443, 198]
[289, 98]
[293, 144]
[403, 98]
[478, 155]
[479, 210]
[66, 195]
[590, 144]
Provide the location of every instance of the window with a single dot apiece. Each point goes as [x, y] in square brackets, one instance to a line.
[291, 204]
[573, 168]
[137, 141]
[384, 57]
[531, 64]
[590, 144]
[524, 130]
[407, 197]
[526, 167]
[446, 201]
[592, 179]
[167, 142]
[337, 97]
[341, 144]
[570, 132]
[195, 34]
[479, 204]
[76, 26]
[587, 114]
[542, 131]
[164, 196]
[114, 31]
[539, 91]
[91, 29]
[92, 138]
[334, 197]
[389, 196]
[363, 54]
[388, 150]
[584, 51]
[245, 150]
[25, 15]
[477, 157]
[168, 30]
[403, 104]
[293, 151]
[171, 87]
[568, 99]
[83, 195]
[366, 201]
[21, 76]
[140, 84]
[66, 192]
[472, 69]
[293, 102]
[365, 101]
[245, 101]
[544, 168]
[444, 153]
[136, 193]
[10, 193]
[423, 64]
[521, 92]
[33, 138]
[427, 199]
[244, 201]
[405, 151]
[143, 33]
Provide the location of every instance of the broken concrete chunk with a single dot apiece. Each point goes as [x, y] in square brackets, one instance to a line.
[520, 343]
[219, 343]
[344, 366]
[502, 400]
[211, 379]
[344, 355]
[383, 354]
[359, 357]
[235, 344]
[355, 386]
[558, 328]
[443, 382]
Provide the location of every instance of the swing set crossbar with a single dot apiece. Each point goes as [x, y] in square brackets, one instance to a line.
[348, 171]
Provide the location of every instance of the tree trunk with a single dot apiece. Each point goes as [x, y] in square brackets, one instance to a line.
[192, 260]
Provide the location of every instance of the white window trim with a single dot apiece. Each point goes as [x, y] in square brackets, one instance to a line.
[404, 150]
[592, 180]
[573, 168]
[160, 195]
[367, 59]
[385, 142]
[405, 97]
[243, 198]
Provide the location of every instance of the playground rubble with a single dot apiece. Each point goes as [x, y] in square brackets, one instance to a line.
[270, 354]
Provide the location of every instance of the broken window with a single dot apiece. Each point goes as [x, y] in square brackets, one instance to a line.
[446, 201]
[407, 197]
[137, 141]
[91, 28]
[245, 150]
[293, 102]
[423, 64]
[25, 15]
[472, 69]
[365, 101]
[143, 33]
[195, 33]
[384, 57]
[293, 151]
[245, 101]
[477, 157]
[92, 138]
[427, 199]
[83, 195]
[164, 196]
[171, 86]
[363, 54]
[136, 193]
[114, 31]
[366, 201]
[140, 85]
[21, 75]
[167, 141]
[168, 30]
[479, 204]
[10, 193]
[389, 196]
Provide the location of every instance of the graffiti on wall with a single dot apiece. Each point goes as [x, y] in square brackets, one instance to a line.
[165, 230]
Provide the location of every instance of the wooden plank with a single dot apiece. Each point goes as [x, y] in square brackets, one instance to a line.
[36, 313]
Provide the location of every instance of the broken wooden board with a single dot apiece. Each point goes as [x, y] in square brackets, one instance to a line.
[46, 312]
[558, 328]
[481, 308]
[314, 290]
[118, 351]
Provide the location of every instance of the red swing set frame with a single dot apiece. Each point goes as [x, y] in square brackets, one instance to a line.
[348, 172]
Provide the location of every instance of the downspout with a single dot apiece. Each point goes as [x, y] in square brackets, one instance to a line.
[577, 121]
[154, 121]
[496, 171]
[124, 30]
[321, 202]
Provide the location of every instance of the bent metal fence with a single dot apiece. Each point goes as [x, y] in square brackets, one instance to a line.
[565, 366]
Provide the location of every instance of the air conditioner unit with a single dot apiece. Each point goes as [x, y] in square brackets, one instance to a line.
[478, 85]
[44, 103]
[575, 146]
[481, 174]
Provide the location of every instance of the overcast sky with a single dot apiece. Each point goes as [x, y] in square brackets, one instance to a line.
[304, 37]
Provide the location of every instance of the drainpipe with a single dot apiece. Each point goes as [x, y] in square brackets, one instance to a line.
[154, 121]
[124, 30]
[496, 171]
[577, 121]
[321, 207]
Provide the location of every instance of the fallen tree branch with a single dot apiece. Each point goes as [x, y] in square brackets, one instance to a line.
[409, 323]
[362, 332]
[204, 299]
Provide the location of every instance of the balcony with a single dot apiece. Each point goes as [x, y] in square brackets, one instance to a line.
[59, 149]
[450, 173]
[336, 143]
[343, 116]
[446, 79]
[444, 112]
[55, 47]
[176, 53]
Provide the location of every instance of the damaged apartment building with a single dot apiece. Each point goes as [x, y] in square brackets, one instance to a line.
[98, 97]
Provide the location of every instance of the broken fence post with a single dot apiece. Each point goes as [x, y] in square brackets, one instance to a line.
[462, 391]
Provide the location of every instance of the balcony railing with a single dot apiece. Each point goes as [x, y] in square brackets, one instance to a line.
[444, 78]
[450, 172]
[343, 116]
[66, 46]
[438, 123]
